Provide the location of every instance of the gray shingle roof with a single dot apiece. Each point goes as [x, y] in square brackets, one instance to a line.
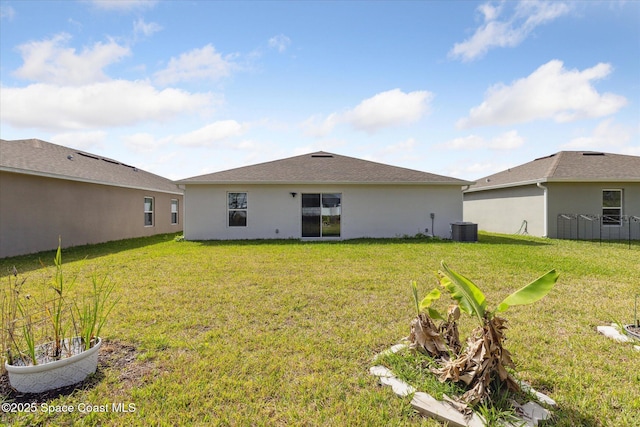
[322, 167]
[36, 157]
[566, 166]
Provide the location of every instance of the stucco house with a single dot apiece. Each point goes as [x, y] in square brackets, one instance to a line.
[320, 196]
[48, 190]
[599, 192]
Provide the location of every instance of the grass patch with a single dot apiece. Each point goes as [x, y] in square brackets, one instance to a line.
[284, 332]
[414, 368]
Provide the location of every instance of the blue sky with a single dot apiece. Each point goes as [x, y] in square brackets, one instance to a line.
[458, 88]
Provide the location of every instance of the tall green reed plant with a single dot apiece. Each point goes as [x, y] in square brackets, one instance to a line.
[94, 311]
[9, 312]
[55, 310]
[36, 331]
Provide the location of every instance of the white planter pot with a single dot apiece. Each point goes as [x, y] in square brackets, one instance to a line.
[56, 374]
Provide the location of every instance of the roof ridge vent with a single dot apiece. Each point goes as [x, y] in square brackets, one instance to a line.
[545, 157]
[115, 162]
[91, 156]
[593, 153]
[322, 155]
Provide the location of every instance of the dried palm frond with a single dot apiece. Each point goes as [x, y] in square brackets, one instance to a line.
[425, 337]
[483, 360]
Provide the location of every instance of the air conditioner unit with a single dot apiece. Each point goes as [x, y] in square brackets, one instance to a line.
[464, 232]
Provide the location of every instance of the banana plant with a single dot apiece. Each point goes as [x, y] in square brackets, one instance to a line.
[425, 336]
[473, 302]
[485, 360]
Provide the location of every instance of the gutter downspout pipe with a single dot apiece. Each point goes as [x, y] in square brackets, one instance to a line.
[545, 216]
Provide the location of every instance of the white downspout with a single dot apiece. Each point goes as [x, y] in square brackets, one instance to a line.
[184, 208]
[545, 208]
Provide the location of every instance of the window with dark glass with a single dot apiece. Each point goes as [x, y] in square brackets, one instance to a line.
[148, 211]
[321, 214]
[612, 207]
[237, 209]
[174, 211]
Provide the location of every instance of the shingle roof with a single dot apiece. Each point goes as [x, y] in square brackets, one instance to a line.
[566, 166]
[36, 157]
[322, 167]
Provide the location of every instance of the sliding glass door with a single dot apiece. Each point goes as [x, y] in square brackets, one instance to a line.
[321, 214]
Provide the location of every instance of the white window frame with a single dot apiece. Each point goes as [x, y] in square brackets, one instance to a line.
[244, 209]
[619, 208]
[175, 214]
[149, 211]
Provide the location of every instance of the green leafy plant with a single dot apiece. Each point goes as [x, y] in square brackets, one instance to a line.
[484, 361]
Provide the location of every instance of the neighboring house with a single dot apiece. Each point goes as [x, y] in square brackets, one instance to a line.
[601, 190]
[320, 196]
[47, 191]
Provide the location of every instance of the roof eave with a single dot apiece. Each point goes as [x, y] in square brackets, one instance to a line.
[548, 180]
[506, 185]
[85, 180]
[408, 183]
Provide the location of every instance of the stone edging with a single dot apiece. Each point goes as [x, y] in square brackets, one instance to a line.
[614, 333]
[530, 413]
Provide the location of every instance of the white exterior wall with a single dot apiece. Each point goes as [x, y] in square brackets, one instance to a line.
[504, 210]
[367, 210]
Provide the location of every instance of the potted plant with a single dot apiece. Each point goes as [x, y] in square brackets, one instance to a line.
[52, 341]
[633, 330]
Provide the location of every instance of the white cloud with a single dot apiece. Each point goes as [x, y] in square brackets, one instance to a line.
[473, 170]
[606, 135]
[143, 142]
[326, 144]
[401, 152]
[484, 168]
[211, 134]
[7, 12]
[550, 92]
[401, 147]
[51, 61]
[280, 42]
[197, 64]
[317, 127]
[510, 31]
[113, 103]
[144, 28]
[124, 5]
[506, 141]
[386, 109]
[81, 140]
[391, 108]
[470, 142]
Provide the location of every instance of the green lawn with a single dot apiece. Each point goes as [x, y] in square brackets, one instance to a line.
[283, 332]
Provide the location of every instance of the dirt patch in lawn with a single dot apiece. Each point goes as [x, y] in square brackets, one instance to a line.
[113, 355]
